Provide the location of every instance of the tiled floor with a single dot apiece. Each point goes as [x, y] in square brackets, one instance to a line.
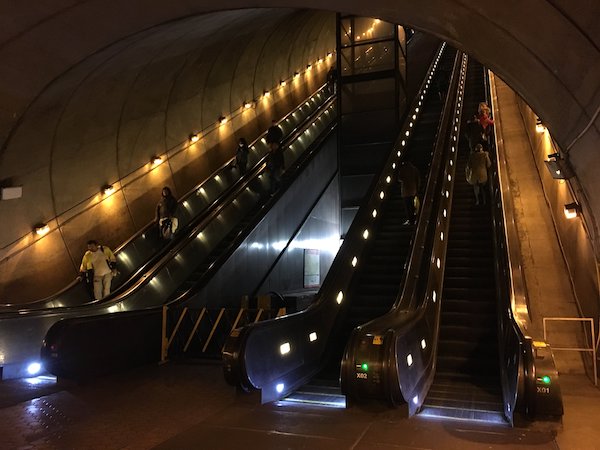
[189, 406]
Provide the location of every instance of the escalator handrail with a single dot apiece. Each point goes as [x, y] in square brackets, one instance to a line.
[23, 307]
[513, 310]
[331, 292]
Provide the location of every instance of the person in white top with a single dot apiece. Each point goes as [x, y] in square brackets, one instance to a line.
[99, 266]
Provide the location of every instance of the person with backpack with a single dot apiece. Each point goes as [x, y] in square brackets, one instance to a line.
[476, 172]
[165, 214]
[98, 267]
[274, 134]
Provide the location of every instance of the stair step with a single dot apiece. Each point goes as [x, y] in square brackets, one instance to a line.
[467, 333]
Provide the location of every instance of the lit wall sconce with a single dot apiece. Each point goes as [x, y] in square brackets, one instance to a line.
[308, 67]
[11, 193]
[41, 229]
[194, 137]
[296, 75]
[539, 126]
[572, 210]
[320, 61]
[559, 168]
[156, 160]
[282, 83]
[329, 54]
[248, 105]
[266, 94]
[108, 189]
[222, 120]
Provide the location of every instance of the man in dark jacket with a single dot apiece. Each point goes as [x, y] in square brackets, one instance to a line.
[409, 178]
[275, 166]
[274, 134]
[474, 133]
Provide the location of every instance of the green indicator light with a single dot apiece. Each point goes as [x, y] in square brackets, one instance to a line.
[546, 379]
[365, 366]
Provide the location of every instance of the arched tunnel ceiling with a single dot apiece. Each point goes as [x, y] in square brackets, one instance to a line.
[547, 50]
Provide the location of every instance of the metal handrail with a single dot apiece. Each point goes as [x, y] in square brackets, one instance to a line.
[520, 388]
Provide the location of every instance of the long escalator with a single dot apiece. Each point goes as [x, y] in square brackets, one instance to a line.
[454, 348]
[379, 275]
[344, 299]
[467, 379]
[138, 254]
[21, 335]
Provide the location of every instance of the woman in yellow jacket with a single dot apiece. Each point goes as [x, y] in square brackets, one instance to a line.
[98, 264]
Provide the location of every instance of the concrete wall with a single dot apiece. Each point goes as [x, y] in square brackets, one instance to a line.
[102, 121]
[574, 234]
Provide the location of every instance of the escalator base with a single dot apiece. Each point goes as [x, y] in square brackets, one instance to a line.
[449, 413]
[323, 396]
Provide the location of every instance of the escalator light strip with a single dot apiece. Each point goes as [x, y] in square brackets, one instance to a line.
[434, 296]
[438, 263]
[381, 195]
[354, 261]
[409, 360]
[366, 234]
[340, 297]
[423, 344]
[312, 336]
[374, 213]
[445, 212]
[285, 348]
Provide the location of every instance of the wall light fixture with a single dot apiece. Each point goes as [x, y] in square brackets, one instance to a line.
[572, 210]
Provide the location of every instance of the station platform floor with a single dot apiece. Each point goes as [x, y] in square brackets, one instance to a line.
[189, 406]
